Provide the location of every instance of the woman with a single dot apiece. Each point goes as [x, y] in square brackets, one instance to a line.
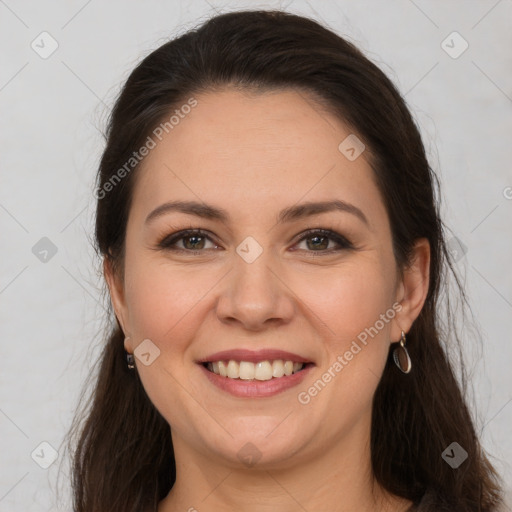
[274, 255]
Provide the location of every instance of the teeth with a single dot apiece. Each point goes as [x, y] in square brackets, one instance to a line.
[223, 371]
[233, 370]
[246, 370]
[278, 368]
[262, 370]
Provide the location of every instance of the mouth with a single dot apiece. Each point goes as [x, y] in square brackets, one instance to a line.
[255, 371]
[255, 374]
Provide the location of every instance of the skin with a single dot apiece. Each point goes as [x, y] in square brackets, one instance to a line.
[254, 155]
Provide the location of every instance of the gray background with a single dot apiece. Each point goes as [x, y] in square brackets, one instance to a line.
[53, 110]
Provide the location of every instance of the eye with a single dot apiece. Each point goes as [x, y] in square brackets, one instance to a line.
[192, 240]
[195, 240]
[318, 240]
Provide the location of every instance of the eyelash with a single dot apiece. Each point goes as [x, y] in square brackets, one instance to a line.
[169, 241]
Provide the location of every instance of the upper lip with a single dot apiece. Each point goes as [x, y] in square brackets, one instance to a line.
[254, 356]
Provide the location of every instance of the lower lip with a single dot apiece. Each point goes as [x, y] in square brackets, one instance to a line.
[256, 388]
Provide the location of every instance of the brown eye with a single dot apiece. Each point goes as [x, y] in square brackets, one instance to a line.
[191, 240]
[318, 241]
[194, 242]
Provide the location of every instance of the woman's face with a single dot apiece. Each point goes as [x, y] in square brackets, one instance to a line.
[254, 285]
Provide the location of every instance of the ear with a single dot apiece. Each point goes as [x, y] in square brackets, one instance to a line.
[117, 297]
[412, 289]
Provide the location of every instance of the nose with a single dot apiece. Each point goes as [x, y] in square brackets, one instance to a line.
[254, 295]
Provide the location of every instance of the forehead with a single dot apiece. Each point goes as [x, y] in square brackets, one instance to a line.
[253, 150]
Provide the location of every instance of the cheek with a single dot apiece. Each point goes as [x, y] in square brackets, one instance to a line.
[360, 312]
[359, 305]
[164, 307]
[355, 347]
[161, 302]
[349, 300]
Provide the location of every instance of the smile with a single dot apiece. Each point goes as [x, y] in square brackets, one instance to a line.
[261, 370]
[248, 373]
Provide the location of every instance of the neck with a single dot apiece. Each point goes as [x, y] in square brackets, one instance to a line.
[339, 479]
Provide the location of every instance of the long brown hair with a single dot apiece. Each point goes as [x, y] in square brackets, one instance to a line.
[122, 450]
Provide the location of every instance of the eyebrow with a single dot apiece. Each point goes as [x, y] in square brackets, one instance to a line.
[289, 214]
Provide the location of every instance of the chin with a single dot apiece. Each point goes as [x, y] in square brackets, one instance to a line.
[257, 443]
